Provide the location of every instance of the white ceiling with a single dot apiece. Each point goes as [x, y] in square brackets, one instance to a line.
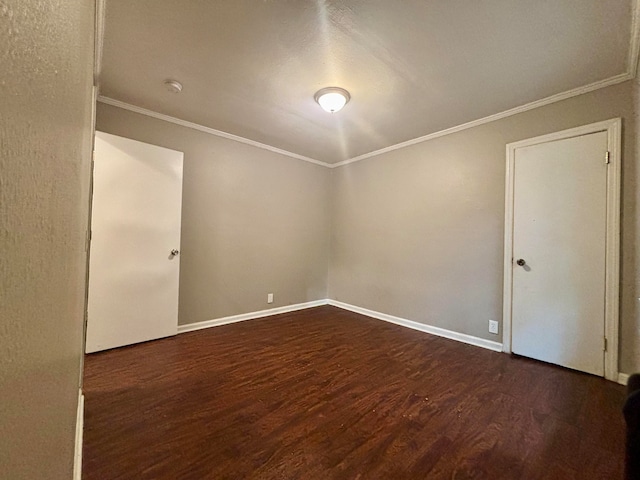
[413, 67]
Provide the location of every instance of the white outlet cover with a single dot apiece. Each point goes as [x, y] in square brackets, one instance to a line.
[270, 298]
[493, 326]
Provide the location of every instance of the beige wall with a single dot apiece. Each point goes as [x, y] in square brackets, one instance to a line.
[253, 222]
[46, 58]
[418, 232]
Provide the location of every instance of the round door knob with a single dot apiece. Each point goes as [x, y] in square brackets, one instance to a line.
[175, 252]
[521, 262]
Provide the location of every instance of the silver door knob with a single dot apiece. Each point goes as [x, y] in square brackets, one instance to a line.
[521, 262]
[175, 252]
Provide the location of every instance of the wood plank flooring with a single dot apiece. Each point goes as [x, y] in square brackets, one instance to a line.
[329, 394]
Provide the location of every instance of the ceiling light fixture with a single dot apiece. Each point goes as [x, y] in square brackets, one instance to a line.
[173, 86]
[332, 99]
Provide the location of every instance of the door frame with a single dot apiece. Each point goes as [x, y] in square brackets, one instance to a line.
[613, 127]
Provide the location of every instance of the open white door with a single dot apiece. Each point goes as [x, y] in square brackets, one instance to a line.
[561, 254]
[135, 227]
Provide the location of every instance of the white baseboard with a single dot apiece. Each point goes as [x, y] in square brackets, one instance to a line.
[441, 332]
[77, 461]
[190, 327]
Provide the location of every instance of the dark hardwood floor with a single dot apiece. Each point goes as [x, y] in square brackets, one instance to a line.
[329, 394]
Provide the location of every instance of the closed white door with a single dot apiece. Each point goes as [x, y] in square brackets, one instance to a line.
[135, 226]
[559, 252]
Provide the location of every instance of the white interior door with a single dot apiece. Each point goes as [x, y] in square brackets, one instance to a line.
[560, 232]
[135, 225]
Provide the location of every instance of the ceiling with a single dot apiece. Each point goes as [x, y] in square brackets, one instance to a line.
[413, 67]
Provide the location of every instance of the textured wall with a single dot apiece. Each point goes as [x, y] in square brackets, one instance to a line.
[253, 222]
[418, 232]
[46, 55]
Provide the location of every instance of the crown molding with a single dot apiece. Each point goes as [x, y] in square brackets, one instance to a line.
[202, 128]
[492, 118]
[623, 77]
[630, 74]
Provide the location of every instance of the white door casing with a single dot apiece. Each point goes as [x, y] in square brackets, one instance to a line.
[562, 212]
[135, 224]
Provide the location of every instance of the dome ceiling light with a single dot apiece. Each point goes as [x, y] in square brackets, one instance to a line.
[332, 99]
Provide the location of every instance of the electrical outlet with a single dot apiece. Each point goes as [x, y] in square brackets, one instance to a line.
[493, 326]
[269, 297]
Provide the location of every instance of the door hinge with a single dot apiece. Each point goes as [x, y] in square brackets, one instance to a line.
[605, 344]
[607, 158]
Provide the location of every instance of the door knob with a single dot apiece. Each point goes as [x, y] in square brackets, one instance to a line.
[521, 262]
[175, 252]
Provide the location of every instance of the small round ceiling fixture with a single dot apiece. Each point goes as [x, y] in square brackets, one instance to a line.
[173, 86]
[332, 99]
